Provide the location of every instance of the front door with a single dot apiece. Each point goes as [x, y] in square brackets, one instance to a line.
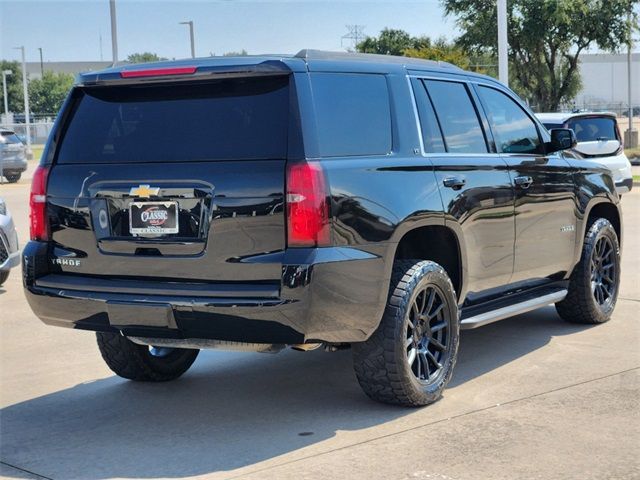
[545, 225]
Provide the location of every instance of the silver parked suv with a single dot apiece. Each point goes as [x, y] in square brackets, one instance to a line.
[9, 249]
[13, 159]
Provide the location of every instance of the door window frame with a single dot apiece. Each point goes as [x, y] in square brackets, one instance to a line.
[414, 78]
[541, 138]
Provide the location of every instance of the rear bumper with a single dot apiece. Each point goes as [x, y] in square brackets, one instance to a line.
[624, 186]
[326, 294]
[13, 165]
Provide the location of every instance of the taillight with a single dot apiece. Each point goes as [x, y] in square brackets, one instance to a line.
[38, 225]
[307, 206]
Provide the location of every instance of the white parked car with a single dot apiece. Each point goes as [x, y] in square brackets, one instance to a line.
[9, 248]
[599, 139]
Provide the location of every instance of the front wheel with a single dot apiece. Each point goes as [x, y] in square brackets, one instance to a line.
[141, 362]
[595, 281]
[409, 359]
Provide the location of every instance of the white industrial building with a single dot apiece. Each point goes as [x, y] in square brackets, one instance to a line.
[605, 82]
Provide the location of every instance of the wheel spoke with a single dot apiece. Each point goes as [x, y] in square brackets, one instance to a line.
[436, 343]
[423, 301]
[412, 356]
[437, 310]
[433, 359]
[432, 297]
[425, 364]
[438, 326]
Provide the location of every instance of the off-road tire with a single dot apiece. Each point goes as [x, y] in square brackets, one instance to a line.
[3, 276]
[381, 364]
[580, 306]
[135, 362]
[13, 178]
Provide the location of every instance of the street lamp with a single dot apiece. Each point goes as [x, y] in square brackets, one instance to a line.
[193, 46]
[114, 31]
[5, 73]
[503, 43]
[25, 91]
[41, 64]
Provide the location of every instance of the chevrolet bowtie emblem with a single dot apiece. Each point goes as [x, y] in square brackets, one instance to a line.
[144, 191]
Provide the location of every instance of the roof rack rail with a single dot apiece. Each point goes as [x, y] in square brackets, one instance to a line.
[310, 54]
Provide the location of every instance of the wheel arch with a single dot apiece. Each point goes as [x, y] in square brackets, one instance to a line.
[439, 243]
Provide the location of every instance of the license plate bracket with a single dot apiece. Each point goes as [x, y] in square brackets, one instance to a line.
[153, 218]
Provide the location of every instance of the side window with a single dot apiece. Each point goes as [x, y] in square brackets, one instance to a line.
[513, 129]
[352, 113]
[457, 115]
[431, 134]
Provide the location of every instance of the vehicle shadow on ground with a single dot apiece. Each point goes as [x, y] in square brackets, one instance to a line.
[230, 411]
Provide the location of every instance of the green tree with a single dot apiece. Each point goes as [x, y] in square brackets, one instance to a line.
[46, 94]
[242, 53]
[390, 42]
[144, 57]
[440, 50]
[546, 38]
[14, 87]
[398, 42]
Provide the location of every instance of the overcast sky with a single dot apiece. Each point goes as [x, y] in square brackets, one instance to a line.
[71, 30]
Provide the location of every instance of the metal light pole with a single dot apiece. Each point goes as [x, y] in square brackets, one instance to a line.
[503, 43]
[114, 31]
[41, 64]
[25, 91]
[629, 47]
[5, 73]
[193, 43]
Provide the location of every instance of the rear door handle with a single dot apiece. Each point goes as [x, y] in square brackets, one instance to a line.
[454, 182]
[523, 182]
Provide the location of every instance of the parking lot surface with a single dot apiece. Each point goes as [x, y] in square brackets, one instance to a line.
[532, 397]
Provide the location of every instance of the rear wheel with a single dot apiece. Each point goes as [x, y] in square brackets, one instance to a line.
[3, 276]
[141, 362]
[409, 359]
[13, 178]
[594, 285]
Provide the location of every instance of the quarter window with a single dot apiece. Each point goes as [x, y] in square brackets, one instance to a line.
[513, 129]
[457, 115]
[352, 113]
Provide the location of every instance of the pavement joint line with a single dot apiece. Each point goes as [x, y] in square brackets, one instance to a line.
[434, 422]
[25, 470]
[630, 299]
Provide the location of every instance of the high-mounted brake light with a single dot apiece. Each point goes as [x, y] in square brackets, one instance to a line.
[38, 225]
[307, 206]
[158, 72]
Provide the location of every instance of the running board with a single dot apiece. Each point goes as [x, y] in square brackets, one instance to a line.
[511, 310]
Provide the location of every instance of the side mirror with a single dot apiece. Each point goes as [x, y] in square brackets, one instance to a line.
[561, 139]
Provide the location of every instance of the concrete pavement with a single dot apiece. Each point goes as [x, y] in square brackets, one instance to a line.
[532, 397]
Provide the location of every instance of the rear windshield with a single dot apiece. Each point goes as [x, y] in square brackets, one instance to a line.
[9, 137]
[551, 126]
[591, 129]
[232, 119]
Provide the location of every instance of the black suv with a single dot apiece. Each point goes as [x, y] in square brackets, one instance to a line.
[320, 199]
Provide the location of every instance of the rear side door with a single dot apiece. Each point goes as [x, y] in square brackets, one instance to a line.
[545, 219]
[474, 182]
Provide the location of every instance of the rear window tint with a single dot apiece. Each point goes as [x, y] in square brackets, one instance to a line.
[458, 117]
[352, 113]
[593, 129]
[225, 119]
[9, 137]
